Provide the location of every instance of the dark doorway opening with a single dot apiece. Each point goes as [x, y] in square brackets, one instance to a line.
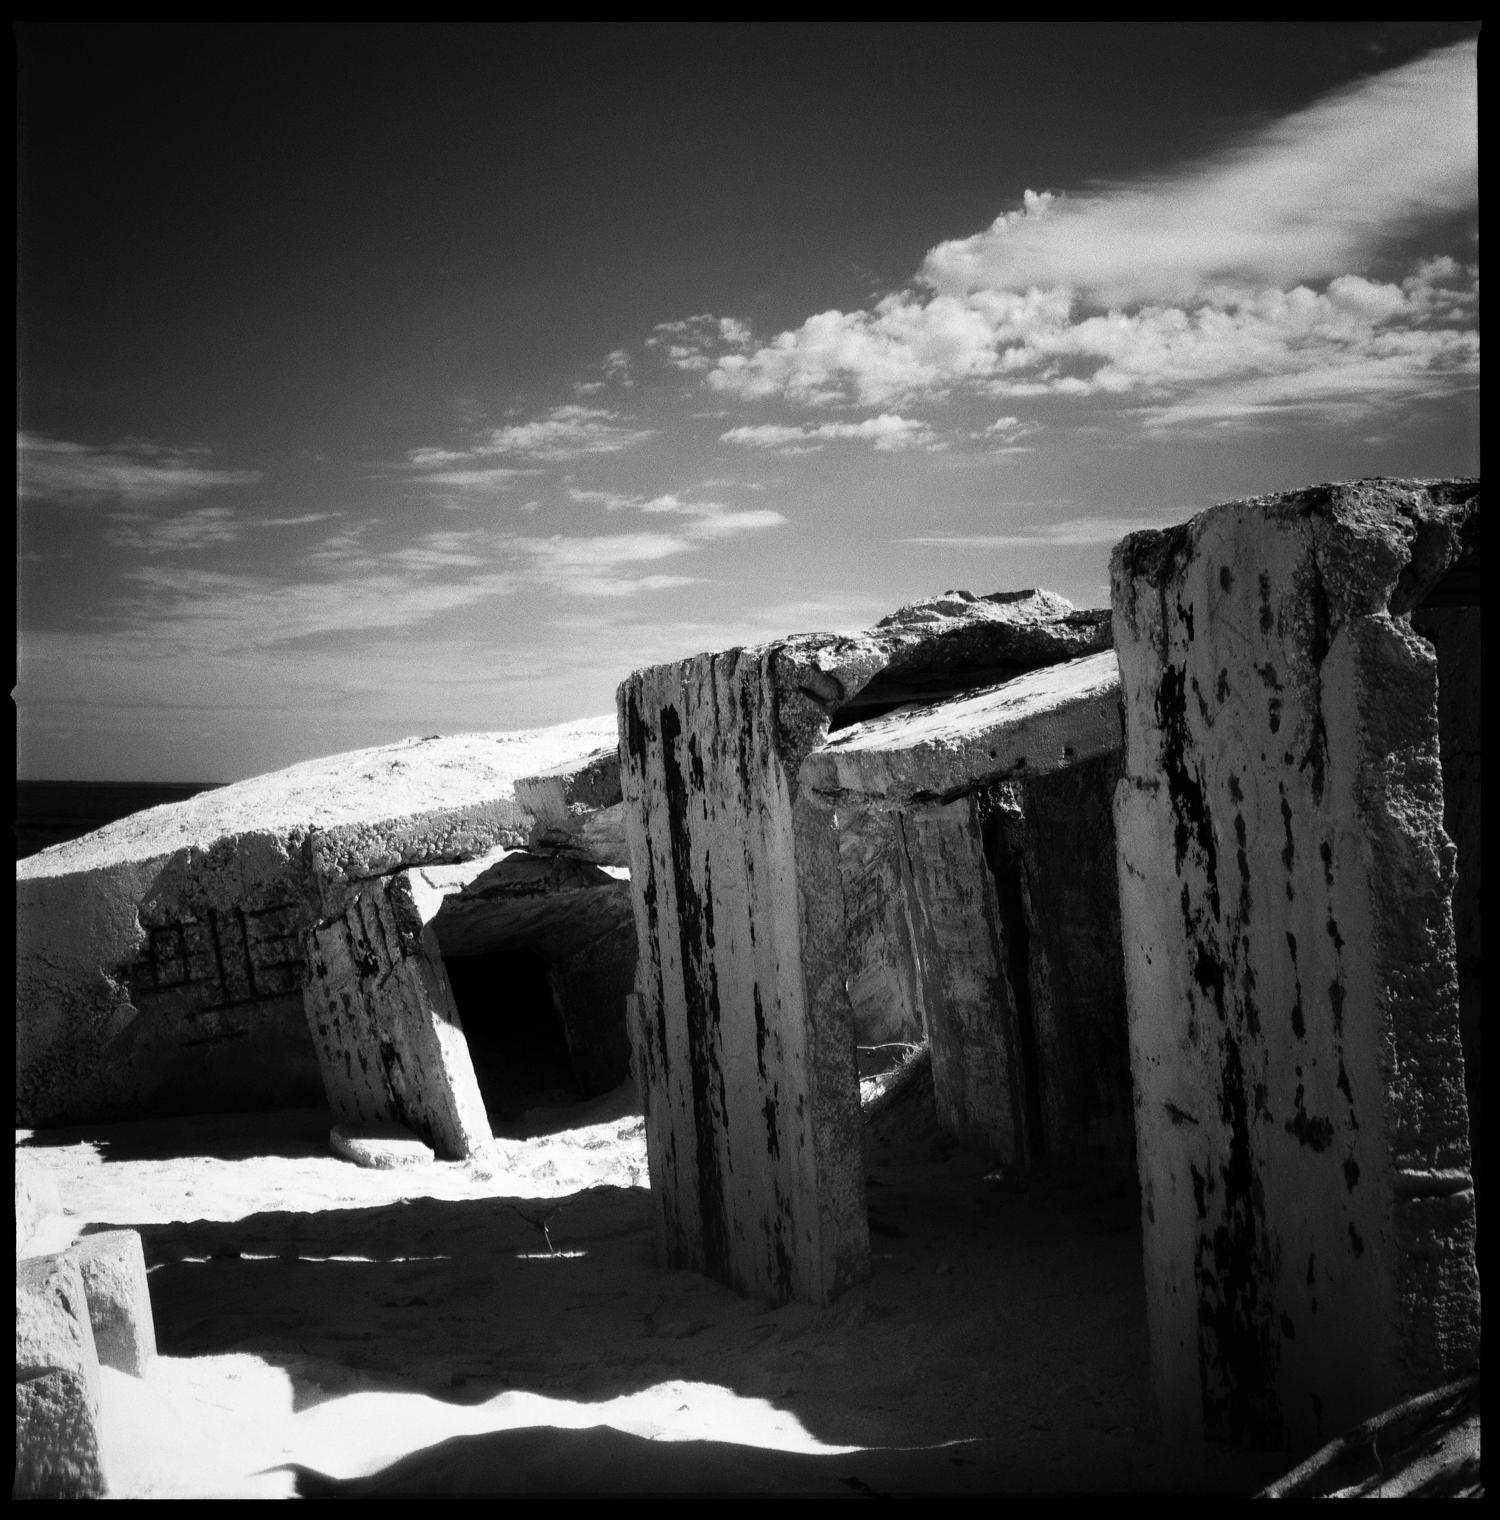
[515, 1033]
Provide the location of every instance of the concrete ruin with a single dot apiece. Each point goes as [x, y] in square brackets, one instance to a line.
[1298, 841]
[751, 832]
[161, 961]
[436, 992]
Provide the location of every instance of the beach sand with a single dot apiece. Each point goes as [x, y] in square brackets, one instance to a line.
[503, 1325]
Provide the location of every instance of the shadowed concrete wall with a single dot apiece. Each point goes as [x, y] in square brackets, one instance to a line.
[742, 1027]
[1285, 886]
[1002, 898]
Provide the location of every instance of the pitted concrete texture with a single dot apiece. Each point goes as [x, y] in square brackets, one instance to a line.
[384, 1024]
[57, 1384]
[160, 964]
[1285, 890]
[36, 1199]
[384, 1147]
[742, 1027]
[112, 1265]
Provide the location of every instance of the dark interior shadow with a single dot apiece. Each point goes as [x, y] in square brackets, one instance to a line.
[224, 1136]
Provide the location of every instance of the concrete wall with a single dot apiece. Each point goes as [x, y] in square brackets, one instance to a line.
[1285, 889]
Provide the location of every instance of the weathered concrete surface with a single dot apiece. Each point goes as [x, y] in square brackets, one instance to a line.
[57, 1384]
[36, 1199]
[1037, 722]
[112, 1266]
[578, 809]
[384, 1024]
[742, 1027]
[1285, 887]
[159, 964]
[382, 1147]
[1449, 622]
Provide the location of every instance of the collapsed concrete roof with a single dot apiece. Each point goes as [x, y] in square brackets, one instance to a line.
[357, 813]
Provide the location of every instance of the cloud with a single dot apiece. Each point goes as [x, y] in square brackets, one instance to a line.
[136, 473]
[1073, 531]
[589, 566]
[694, 343]
[706, 519]
[887, 432]
[564, 433]
[1247, 272]
[1313, 196]
[203, 528]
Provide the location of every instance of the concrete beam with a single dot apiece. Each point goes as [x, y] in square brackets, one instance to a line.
[1033, 724]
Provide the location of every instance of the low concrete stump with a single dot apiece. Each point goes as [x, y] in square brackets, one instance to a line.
[113, 1268]
[385, 1147]
[57, 1384]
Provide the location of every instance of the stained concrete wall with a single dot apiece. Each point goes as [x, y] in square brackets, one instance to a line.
[1285, 888]
[742, 1025]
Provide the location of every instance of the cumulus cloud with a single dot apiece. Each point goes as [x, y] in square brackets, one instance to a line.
[1246, 273]
[887, 432]
[694, 343]
[134, 473]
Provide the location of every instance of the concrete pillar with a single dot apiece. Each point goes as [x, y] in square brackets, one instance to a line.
[384, 1025]
[1285, 886]
[742, 1034]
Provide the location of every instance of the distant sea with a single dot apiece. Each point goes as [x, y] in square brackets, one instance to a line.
[50, 812]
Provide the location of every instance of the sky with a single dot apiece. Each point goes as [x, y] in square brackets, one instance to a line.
[380, 380]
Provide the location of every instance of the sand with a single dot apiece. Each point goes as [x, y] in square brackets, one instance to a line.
[503, 1325]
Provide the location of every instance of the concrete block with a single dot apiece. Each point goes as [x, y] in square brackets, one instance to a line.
[113, 1268]
[57, 1384]
[1286, 906]
[383, 1147]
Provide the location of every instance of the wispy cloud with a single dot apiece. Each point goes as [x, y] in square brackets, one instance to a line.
[706, 519]
[565, 433]
[1072, 531]
[887, 432]
[203, 528]
[1249, 271]
[134, 472]
[1315, 195]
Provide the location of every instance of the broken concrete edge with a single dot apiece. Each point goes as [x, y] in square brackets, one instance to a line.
[1035, 723]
